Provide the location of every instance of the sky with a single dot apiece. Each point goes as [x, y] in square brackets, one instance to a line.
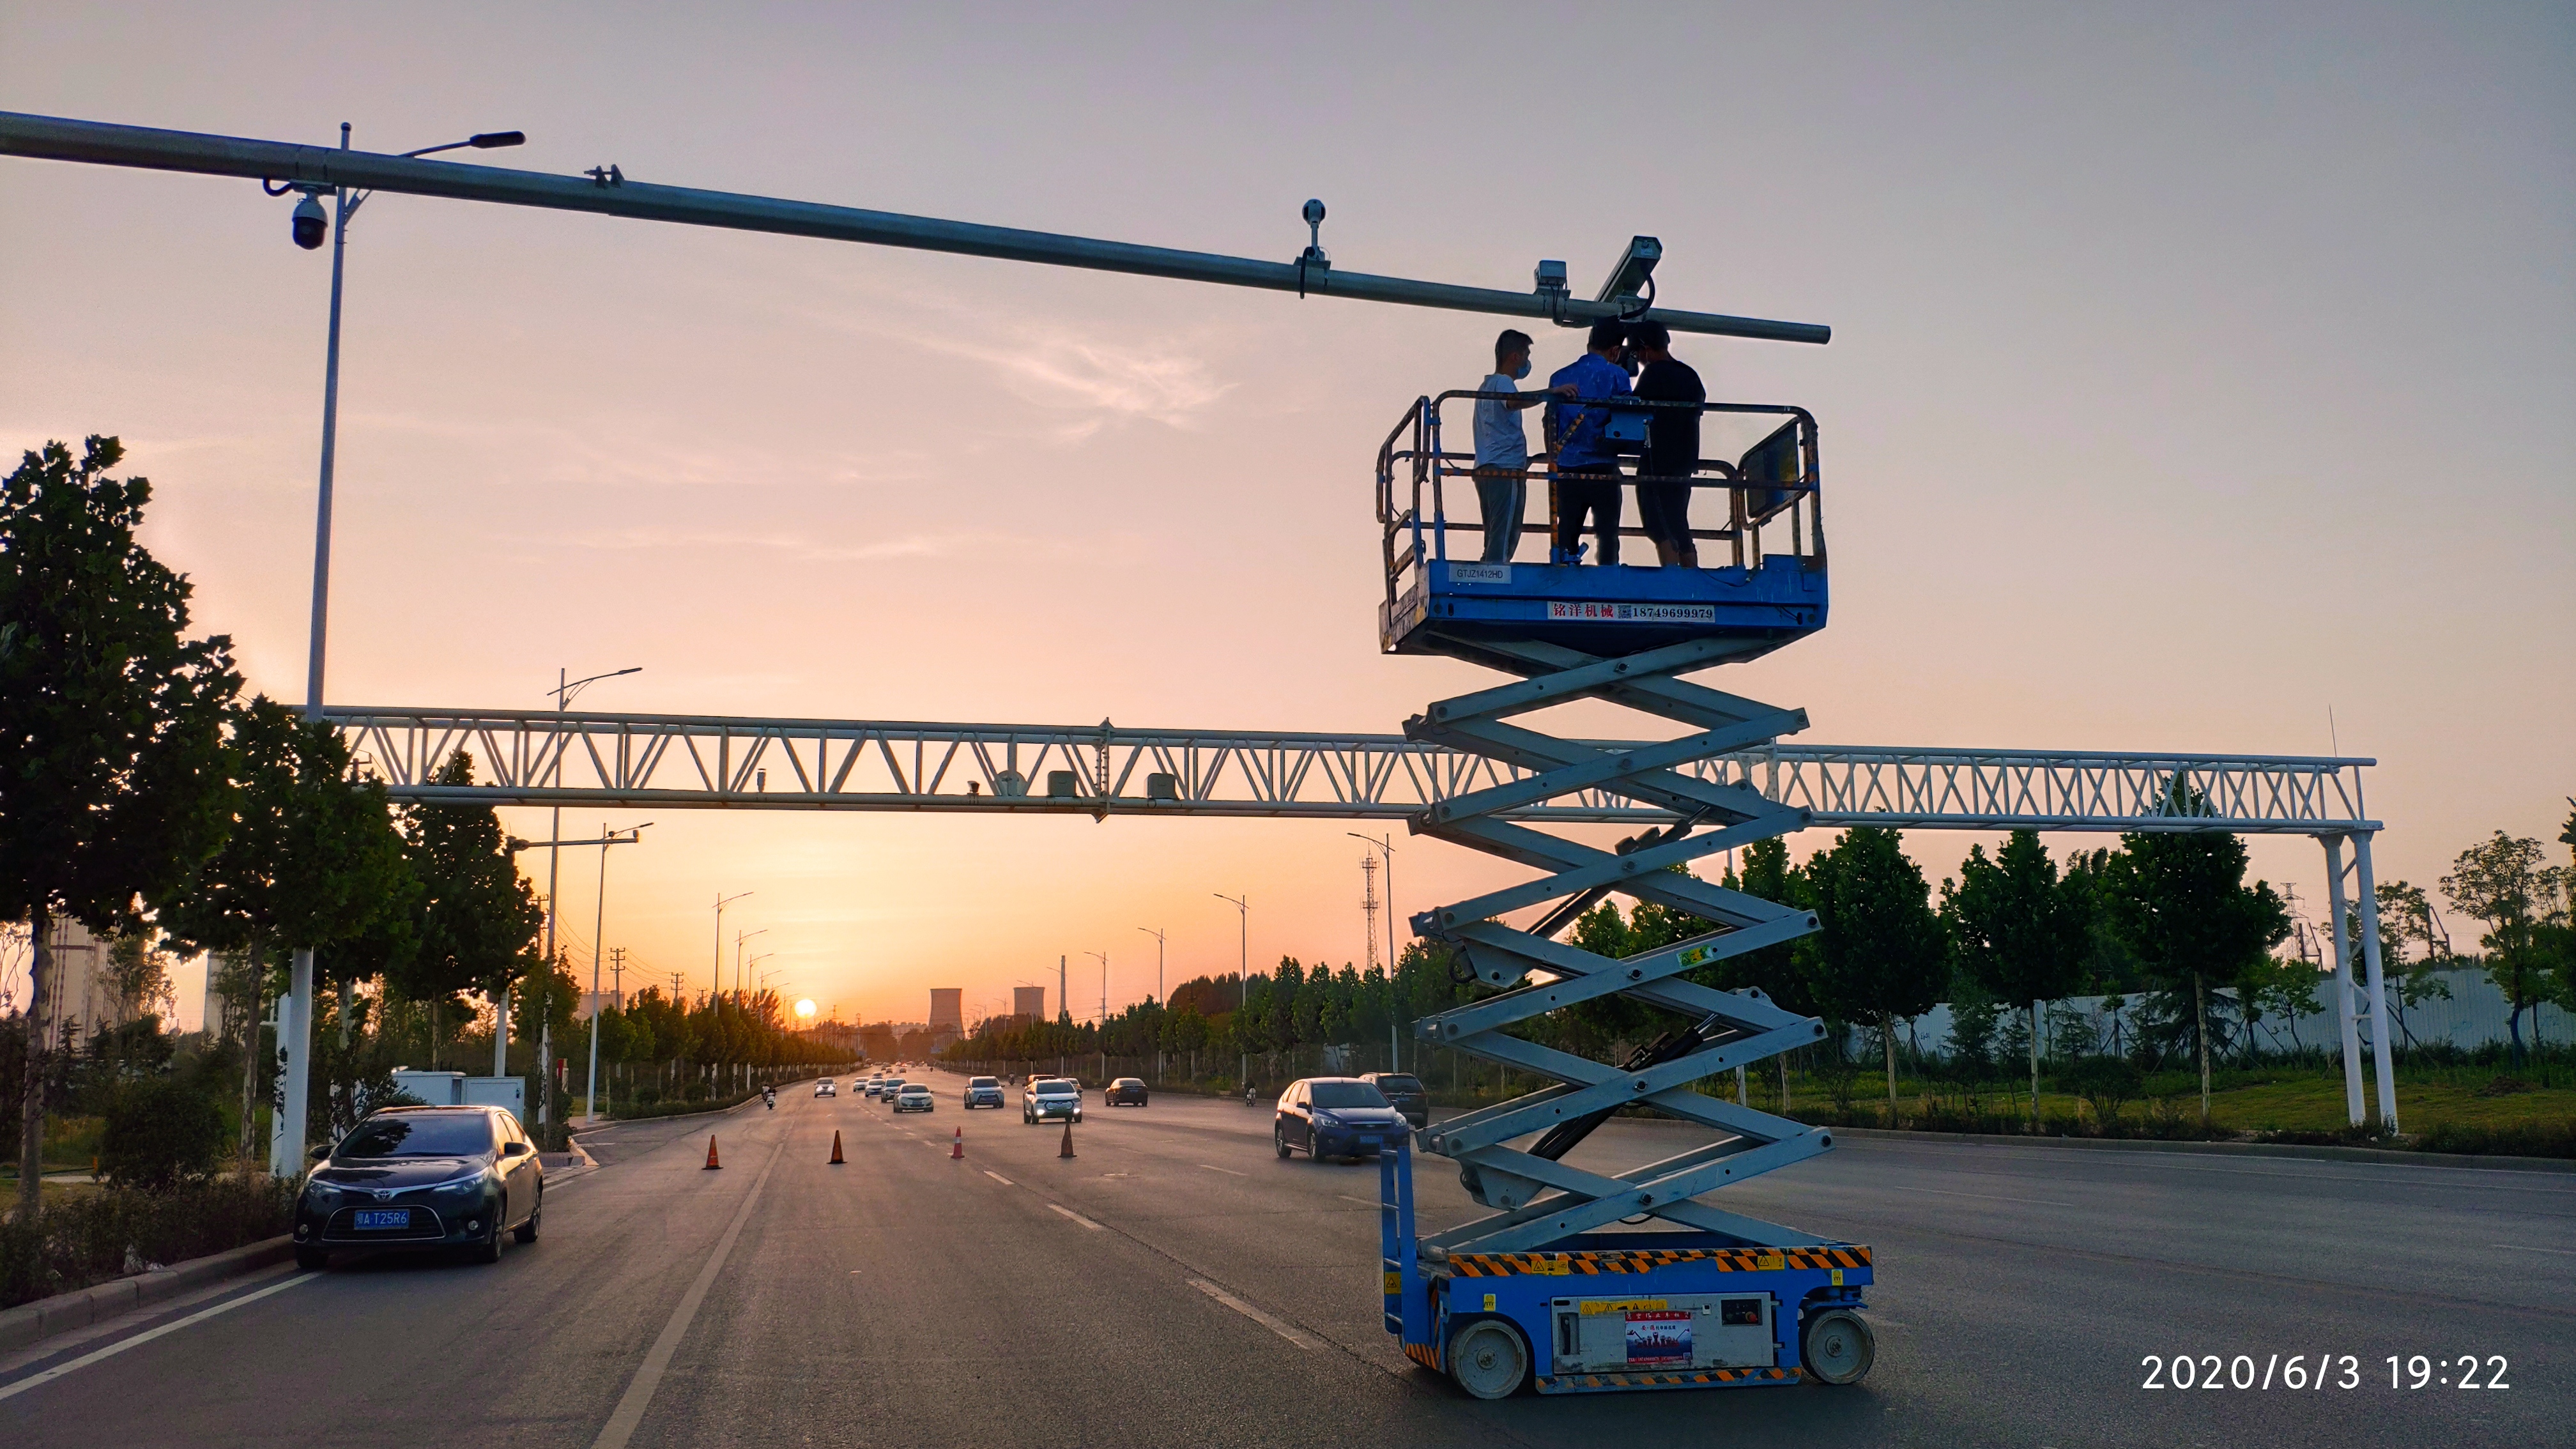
[2200, 380]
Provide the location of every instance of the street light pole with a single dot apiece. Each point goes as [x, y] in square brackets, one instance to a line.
[1162, 1002]
[564, 692]
[607, 838]
[295, 1021]
[1242, 971]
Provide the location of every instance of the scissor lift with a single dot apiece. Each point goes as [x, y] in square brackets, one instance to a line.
[1675, 1292]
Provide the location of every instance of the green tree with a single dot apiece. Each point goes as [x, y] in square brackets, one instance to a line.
[2019, 931]
[310, 858]
[1880, 957]
[2502, 882]
[478, 918]
[2405, 919]
[2182, 906]
[111, 725]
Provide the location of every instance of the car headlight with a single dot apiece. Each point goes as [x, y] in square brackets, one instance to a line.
[458, 1186]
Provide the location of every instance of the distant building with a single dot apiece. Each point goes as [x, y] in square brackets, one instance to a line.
[947, 1011]
[1028, 1002]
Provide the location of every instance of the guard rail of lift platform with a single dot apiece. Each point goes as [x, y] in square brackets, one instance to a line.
[1581, 1278]
[1761, 582]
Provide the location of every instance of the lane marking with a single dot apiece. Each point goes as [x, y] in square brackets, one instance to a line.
[2519, 1248]
[657, 1359]
[997, 1177]
[121, 1345]
[1228, 1171]
[1255, 1314]
[1077, 1217]
[1362, 1201]
[1987, 1196]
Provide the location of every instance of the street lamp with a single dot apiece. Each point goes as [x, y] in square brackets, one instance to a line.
[565, 691]
[607, 838]
[715, 980]
[1159, 999]
[738, 938]
[306, 224]
[1243, 970]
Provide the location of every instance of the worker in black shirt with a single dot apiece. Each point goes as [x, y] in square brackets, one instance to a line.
[1672, 445]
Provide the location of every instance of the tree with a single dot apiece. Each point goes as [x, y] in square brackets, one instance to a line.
[1880, 956]
[2502, 882]
[2181, 904]
[2020, 932]
[310, 858]
[110, 724]
[478, 918]
[2405, 918]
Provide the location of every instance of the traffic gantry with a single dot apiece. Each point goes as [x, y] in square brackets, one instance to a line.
[1581, 1281]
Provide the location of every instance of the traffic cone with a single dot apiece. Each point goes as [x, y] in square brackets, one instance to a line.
[1067, 1149]
[957, 1146]
[712, 1164]
[836, 1147]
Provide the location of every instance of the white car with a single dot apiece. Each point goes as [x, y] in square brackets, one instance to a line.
[912, 1097]
[824, 1088]
[876, 1086]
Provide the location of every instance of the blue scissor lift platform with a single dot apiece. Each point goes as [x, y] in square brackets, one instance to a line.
[1580, 1281]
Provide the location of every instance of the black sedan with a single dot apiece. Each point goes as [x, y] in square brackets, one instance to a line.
[1335, 1117]
[417, 1178]
[1124, 1092]
[1404, 1092]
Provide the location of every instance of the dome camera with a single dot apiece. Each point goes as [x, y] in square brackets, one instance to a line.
[310, 226]
[1314, 213]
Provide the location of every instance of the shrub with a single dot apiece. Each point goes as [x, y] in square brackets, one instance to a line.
[160, 1131]
[2106, 1084]
[89, 1239]
[2516, 1139]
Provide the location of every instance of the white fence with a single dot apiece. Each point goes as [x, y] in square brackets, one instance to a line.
[2472, 1016]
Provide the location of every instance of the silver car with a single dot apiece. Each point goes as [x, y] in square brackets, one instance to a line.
[912, 1097]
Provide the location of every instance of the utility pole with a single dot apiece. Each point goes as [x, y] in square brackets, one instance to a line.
[1368, 912]
[1386, 854]
[1063, 1003]
[617, 973]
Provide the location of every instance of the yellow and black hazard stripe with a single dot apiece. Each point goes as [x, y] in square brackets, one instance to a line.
[1562, 1382]
[1645, 1260]
[1423, 1354]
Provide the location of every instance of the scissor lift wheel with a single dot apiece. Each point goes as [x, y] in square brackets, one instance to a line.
[1837, 1347]
[1488, 1358]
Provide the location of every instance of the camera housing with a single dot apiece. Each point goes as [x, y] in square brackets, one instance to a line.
[310, 226]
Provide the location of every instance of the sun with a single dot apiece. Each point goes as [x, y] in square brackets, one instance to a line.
[805, 1009]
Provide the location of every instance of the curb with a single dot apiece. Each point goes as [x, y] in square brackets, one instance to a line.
[31, 1323]
[2386, 1155]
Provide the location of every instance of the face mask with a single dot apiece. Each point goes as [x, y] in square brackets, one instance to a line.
[1522, 370]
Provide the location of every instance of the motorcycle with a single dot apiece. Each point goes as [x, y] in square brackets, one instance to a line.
[770, 1099]
[1249, 1097]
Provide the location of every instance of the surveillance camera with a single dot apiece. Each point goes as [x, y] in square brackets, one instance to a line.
[310, 225]
[1314, 213]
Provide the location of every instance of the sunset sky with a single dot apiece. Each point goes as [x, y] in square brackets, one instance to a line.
[2199, 377]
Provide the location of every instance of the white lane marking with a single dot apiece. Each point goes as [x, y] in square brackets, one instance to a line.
[2519, 1248]
[997, 1177]
[657, 1359]
[1077, 1217]
[1228, 1171]
[121, 1345]
[1362, 1201]
[1255, 1314]
[1987, 1196]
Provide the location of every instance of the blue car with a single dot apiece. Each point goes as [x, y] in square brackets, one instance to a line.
[983, 1092]
[418, 1178]
[1335, 1117]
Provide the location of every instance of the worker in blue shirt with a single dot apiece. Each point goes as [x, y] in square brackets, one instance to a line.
[1587, 472]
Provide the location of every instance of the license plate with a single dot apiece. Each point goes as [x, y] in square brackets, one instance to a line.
[384, 1217]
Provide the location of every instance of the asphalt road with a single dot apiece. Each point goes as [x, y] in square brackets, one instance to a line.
[1176, 1284]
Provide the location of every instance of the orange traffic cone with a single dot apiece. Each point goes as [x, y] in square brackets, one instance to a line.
[1067, 1149]
[836, 1147]
[957, 1146]
[712, 1164]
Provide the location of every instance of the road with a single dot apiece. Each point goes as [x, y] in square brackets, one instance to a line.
[1176, 1284]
